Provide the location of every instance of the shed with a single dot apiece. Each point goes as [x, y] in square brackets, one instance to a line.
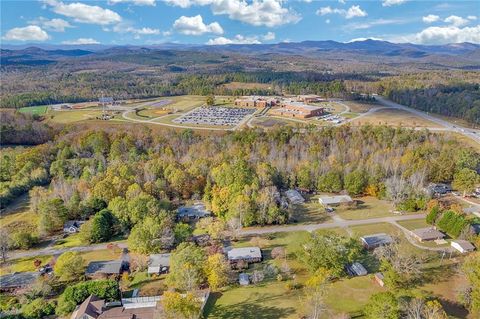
[379, 279]
[294, 197]
[335, 200]
[158, 264]
[376, 240]
[248, 254]
[357, 269]
[427, 234]
[475, 228]
[462, 246]
[244, 279]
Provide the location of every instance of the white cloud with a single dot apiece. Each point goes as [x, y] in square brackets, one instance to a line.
[81, 41]
[341, 1]
[135, 2]
[85, 13]
[389, 3]
[327, 21]
[28, 33]
[364, 39]
[374, 23]
[352, 12]
[268, 13]
[456, 21]
[240, 39]
[196, 26]
[472, 17]
[269, 36]
[444, 35]
[56, 25]
[125, 27]
[430, 18]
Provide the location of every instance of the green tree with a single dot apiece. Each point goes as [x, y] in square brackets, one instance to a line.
[382, 305]
[186, 267]
[330, 182]
[69, 266]
[181, 307]
[355, 182]
[465, 180]
[210, 100]
[471, 268]
[37, 309]
[152, 235]
[102, 227]
[182, 232]
[53, 215]
[433, 215]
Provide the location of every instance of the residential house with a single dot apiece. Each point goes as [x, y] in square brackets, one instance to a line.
[294, 197]
[72, 226]
[102, 269]
[90, 308]
[462, 246]
[427, 234]
[196, 211]
[376, 240]
[158, 264]
[246, 254]
[17, 280]
[335, 200]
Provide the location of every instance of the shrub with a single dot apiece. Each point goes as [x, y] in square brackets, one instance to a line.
[452, 223]
[433, 215]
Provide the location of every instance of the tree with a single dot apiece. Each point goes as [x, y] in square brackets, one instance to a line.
[100, 228]
[186, 267]
[330, 251]
[471, 268]
[182, 232]
[38, 309]
[4, 244]
[210, 100]
[433, 215]
[53, 215]
[69, 266]
[355, 182]
[180, 306]
[465, 180]
[217, 270]
[382, 305]
[152, 235]
[315, 290]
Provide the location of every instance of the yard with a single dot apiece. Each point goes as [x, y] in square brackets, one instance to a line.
[394, 117]
[367, 207]
[310, 212]
[22, 264]
[72, 116]
[34, 110]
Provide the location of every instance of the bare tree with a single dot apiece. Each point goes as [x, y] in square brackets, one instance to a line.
[4, 244]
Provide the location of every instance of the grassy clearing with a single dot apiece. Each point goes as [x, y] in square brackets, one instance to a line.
[269, 122]
[148, 285]
[34, 110]
[368, 207]
[22, 264]
[395, 117]
[73, 240]
[413, 224]
[310, 211]
[99, 255]
[358, 107]
[362, 230]
[72, 116]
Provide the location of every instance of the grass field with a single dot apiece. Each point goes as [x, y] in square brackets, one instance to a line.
[22, 264]
[367, 207]
[310, 211]
[359, 107]
[72, 116]
[394, 117]
[34, 110]
[413, 224]
[271, 122]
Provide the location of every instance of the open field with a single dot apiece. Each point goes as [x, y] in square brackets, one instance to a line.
[309, 212]
[170, 104]
[367, 207]
[34, 110]
[394, 117]
[272, 122]
[413, 224]
[358, 107]
[22, 264]
[72, 116]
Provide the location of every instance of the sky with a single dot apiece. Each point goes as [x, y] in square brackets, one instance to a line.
[218, 22]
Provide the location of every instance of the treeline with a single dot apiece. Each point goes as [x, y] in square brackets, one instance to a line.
[23, 129]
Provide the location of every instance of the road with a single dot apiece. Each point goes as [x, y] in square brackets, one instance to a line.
[335, 224]
[57, 251]
[470, 133]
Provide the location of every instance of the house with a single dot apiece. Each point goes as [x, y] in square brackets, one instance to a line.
[462, 246]
[105, 268]
[439, 189]
[90, 308]
[309, 98]
[72, 226]
[335, 200]
[247, 254]
[357, 269]
[298, 110]
[196, 211]
[379, 277]
[18, 280]
[376, 240]
[427, 234]
[103, 101]
[294, 197]
[243, 279]
[158, 264]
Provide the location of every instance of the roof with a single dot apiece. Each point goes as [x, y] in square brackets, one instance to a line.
[464, 244]
[18, 279]
[157, 261]
[377, 239]
[244, 253]
[244, 278]
[92, 306]
[476, 228]
[196, 210]
[472, 209]
[294, 196]
[428, 233]
[72, 223]
[358, 269]
[328, 200]
[104, 267]
[123, 313]
[107, 99]
[303, 106]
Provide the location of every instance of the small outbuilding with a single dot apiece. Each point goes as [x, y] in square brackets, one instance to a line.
[427, 234]
[475, 228]
[72, 226]
[376, 240]
[379, 277]
[158, 264]
[462, 246]
[246, 254]
[335, 200]
[357, 269]
[243, 279]
[294, 197]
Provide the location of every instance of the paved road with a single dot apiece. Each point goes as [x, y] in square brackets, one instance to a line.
[470, 133]
[334, 224]
[58, 251]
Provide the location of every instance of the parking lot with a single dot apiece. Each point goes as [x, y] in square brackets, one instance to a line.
[217, 116]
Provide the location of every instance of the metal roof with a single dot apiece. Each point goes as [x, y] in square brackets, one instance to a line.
[377, 239]
[339, 199]
[104, 267]
[18, 279]
[244, 253]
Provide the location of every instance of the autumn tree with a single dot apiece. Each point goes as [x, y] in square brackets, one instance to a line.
[217, 270]
[186, 267]
[180, 306]
[69, 266]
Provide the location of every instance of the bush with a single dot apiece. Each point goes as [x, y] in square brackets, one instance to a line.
[433, 215]
[76, 294]
[38, 308]
[452, 223]
[412, 204]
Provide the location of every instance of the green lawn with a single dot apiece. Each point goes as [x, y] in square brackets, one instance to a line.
[73, 115]
[310, 212]
[34, 110]
[367, 207]
[72, 240]
[413, 224]
[22, 264]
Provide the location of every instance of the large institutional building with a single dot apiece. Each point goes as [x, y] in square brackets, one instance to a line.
[254, 101]
[298, 109]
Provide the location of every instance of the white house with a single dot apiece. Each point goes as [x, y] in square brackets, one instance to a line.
[462, 246]
[335, 200]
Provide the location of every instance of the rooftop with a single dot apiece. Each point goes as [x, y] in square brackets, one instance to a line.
[338, 199]
[92, 307]
[294, 196]
[196, 210]
[104, 267]
[18, 279]
[244, 253]
[377, 239]
[303, 106]
[428, 233]
[464, 244]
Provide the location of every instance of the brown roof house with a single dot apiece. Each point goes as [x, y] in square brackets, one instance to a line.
[427, 234]
[91, 308]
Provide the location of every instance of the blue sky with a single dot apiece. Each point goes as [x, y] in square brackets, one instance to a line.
[237, 21]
